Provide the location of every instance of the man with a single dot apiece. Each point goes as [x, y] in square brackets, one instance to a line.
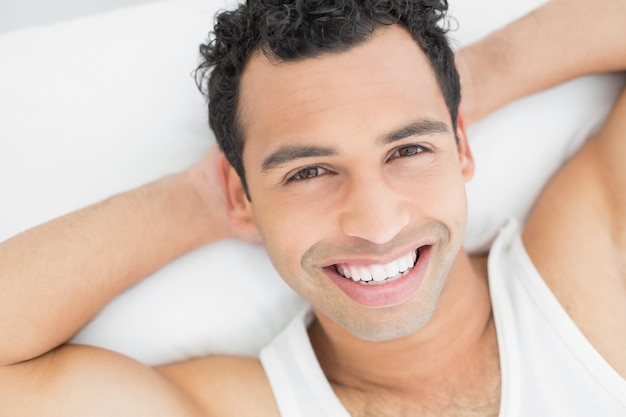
[349, 157]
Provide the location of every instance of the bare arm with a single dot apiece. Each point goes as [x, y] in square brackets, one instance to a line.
[55, 277]
[75, 380]
[575, 234]
[559, 41]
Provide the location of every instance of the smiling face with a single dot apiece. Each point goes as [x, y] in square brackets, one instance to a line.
[357, 183]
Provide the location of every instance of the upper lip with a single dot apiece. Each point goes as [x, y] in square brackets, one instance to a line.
[374, 259]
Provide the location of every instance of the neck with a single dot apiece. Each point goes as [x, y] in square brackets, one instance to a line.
[449, 350]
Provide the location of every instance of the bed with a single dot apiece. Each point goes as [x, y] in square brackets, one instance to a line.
[96, 105]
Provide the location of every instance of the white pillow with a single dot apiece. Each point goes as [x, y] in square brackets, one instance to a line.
[518, 148]
[100, 104]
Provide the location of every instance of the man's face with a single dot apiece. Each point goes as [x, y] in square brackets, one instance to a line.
[357, 184]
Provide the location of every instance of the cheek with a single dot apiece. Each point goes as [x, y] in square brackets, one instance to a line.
[288, 232]
[289, 227]
[438, 192]
[300, 213]
[453, 204]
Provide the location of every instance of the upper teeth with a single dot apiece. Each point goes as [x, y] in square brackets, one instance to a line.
[378, 272]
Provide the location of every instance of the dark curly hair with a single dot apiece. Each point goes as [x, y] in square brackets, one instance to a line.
[287, 30]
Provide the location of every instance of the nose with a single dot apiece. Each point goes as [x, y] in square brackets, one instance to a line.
[373, 210]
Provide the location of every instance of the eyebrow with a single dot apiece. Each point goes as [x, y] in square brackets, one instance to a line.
[422, 127]
[290, 153]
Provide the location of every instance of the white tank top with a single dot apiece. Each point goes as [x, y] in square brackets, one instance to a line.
[548, 367]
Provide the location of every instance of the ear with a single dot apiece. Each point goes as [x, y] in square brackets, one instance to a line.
[465, 154]
[238, 206]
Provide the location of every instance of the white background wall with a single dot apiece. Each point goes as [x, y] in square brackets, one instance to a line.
[16, 14]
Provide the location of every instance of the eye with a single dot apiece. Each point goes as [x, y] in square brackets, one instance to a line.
[307, 173]
[409, 150]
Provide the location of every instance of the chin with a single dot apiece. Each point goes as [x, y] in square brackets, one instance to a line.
[386, 324]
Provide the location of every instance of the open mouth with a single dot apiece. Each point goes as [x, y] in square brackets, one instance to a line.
[379, 273]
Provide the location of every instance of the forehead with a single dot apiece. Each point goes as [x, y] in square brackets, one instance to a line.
[366, 91]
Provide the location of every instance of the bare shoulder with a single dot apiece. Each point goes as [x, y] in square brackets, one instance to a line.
[76, 380]
[79, 380]
[225, 385]
[576, 236]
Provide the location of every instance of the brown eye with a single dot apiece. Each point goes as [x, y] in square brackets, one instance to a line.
[408, 151]
[308, 173]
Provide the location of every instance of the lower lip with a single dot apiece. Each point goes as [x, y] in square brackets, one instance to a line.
[385, 294]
